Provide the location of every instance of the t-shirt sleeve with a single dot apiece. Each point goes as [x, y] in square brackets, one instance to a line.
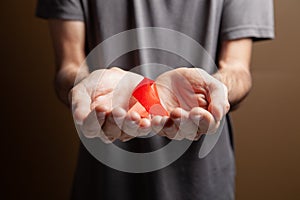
[60, 9]
[247, 19]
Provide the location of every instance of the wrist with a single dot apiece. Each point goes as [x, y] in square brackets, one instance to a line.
[64, 81]
[238, 82]
[220, 76]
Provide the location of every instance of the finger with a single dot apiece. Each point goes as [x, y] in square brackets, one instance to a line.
[171, 126]
[169, 129]
[187, 128]
[218, 104]
[103, 101]
[99, 92]
[204, 120]
[119, 115]
[202, 102]
[125, 137]
[217, 94]
[131, 124]
[157, 125]
[144, 127]
[111, 126]
[179, 117]
[90, 122]
[81, 102]
[185, 94]
[91, 127]
[102, 111]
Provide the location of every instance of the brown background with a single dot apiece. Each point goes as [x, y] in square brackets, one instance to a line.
[39, 142]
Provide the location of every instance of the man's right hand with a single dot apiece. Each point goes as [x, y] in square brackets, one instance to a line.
[100, 105]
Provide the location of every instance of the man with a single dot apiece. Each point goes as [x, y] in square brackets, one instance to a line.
[225, 28]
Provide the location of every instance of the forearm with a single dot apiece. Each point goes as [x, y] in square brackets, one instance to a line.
[68, 39]
[238, 82]
[234, 69]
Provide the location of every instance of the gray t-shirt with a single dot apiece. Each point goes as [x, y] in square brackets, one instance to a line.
[208, 22]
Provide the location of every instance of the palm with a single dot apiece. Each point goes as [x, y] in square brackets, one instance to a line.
[102, 98]
[177, 88]
[111, 88]
[195, 100]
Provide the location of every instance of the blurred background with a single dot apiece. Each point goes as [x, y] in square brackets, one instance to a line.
[40, 144]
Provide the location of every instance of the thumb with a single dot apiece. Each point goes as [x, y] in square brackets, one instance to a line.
[218, 96]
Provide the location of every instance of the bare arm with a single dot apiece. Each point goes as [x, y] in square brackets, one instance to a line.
[212, 97]
[68, 39]
[234, 72]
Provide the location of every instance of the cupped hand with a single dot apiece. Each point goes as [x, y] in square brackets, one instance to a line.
[195, 100]
[100, 105]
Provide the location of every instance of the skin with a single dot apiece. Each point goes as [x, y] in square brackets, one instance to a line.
[195, 100]
[196, 106]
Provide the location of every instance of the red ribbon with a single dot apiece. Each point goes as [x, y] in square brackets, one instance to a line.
[148, 101]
